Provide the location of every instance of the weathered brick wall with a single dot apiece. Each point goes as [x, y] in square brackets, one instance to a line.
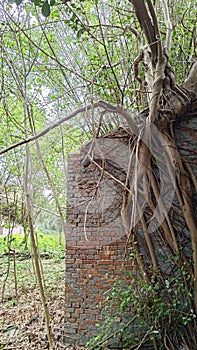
[90, 273]
[95, 241]
[95, 250]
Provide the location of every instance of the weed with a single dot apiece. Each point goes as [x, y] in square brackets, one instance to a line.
[46, 243]
[16, 268]
[156, 312]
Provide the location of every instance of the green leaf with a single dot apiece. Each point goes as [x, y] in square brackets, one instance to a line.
[52, 2]
[80, 32]
[37, 2]
[18, 2]
[46, 9]
[55, 14]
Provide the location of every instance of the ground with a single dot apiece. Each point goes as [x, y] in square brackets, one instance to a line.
[21, 319]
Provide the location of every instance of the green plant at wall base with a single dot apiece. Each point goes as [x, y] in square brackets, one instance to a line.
[144, 312]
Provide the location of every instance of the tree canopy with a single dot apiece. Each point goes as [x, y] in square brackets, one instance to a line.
[71, 71]
[79, 53]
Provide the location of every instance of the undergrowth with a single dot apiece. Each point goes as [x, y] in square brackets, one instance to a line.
[17, 275]
[154, 314]
[16, 242]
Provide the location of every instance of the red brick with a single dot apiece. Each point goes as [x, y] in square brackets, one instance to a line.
[88, 262]
[104, 262]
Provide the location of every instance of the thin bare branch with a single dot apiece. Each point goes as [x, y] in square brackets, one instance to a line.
[54, 58]
[107, 55]
[102, 104]
[168, 24]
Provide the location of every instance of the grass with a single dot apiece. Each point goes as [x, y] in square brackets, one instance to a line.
[46, 243]
[17, 274]
[21, 316]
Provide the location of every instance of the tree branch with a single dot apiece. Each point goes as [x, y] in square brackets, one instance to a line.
[168, 24]
[102, 104]
[147, 25]
[191, 82]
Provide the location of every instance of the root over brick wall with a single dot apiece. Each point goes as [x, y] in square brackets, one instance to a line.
[95, 240]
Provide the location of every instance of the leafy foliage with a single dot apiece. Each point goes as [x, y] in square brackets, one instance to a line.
[144, 312]
[46, 243]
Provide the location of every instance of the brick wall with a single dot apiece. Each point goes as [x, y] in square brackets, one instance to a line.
[90, 273]
[95, 248]
[95, 241]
